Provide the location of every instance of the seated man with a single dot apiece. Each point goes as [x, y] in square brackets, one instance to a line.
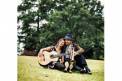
[81, 63]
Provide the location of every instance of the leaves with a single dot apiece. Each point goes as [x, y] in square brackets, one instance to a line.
[83, 18]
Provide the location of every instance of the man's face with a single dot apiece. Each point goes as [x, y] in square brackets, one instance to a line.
[68, 42]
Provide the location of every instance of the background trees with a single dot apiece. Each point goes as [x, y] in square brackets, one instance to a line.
[45, 21]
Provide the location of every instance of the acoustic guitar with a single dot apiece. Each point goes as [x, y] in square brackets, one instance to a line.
[46, 57]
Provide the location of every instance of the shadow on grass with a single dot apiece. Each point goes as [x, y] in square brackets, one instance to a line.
[62, 70]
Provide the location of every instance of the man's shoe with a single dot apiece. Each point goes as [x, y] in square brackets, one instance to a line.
[88, 71]
[82, 71]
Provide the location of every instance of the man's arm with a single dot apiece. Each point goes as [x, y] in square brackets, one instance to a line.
[79, 51]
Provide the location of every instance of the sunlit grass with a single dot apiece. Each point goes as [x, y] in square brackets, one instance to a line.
[29, 70]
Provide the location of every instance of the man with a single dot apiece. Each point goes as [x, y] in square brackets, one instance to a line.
[81, 63]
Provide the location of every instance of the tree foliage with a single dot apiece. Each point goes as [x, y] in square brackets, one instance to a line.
[54, 18]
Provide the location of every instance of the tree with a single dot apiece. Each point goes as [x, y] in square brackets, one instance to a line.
[83, 18]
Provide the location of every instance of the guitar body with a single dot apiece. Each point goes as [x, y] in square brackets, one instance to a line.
[45, 58]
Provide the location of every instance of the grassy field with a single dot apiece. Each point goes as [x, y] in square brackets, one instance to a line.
[29, 70]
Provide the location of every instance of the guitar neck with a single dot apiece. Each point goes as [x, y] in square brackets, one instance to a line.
[58, 55]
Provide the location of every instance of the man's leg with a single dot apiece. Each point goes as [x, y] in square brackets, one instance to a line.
[81, 62]
[82, 70]
[85, 65]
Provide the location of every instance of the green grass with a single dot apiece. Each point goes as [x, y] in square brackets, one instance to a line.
[29, 70]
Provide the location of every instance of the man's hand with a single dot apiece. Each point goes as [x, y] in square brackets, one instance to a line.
[76, 53]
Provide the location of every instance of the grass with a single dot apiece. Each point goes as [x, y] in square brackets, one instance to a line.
[29, 70]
